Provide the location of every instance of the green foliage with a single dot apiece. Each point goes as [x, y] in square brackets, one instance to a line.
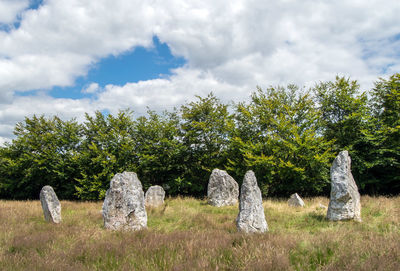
[379, 145]
[288, 136]
[369, 129]
[277, 136]
[159, 151]
[344, 117]
[386, 100]
[343, 109]
[44, 153]
[205, 126]
[107, 148]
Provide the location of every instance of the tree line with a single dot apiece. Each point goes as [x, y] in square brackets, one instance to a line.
[288, 136]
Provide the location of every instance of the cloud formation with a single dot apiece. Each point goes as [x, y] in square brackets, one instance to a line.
[92, 88]
[9, 10]
[230, 47]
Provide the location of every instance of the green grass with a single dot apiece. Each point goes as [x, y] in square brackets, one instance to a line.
[188, 234]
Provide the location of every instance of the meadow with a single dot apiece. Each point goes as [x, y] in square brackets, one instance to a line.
[188, 234]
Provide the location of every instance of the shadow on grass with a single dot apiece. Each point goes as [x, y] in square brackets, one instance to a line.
[317, 217]
[313, 222]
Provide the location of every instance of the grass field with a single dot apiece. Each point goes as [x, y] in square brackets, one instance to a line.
[187, 234]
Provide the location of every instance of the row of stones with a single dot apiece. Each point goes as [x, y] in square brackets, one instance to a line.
[223, 190]
[344, 201]
[124, 204]
[52, 208]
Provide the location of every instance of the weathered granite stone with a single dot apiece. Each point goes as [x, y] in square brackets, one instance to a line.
[295, 201]
[251, 216]
[222, 189]
[123, 207]
[50, 204]
[154, 196]
[344, 203]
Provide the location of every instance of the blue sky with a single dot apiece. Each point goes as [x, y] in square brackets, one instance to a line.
[68, 57]
[136, 65]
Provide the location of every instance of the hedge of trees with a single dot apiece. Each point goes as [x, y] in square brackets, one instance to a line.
[288, 135]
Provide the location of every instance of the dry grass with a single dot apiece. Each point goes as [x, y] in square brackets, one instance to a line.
[187, 234]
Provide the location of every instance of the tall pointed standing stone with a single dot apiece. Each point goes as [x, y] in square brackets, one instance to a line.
[50, 204]
[222, 189]
[251, 216]
[123, 207]
[154, 196]
[344, 203]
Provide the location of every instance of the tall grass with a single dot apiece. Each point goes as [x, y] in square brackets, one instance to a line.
[188, 234]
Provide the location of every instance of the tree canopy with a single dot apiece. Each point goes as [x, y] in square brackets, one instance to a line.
[288, 135]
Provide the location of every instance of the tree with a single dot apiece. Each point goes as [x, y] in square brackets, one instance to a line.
[205, 130]
[106, 149]
[159, 150]
[44, 153]
[287, 135]
[277, 136]
[369, 129]
[343, 109]
[379, 145]
[346, 119]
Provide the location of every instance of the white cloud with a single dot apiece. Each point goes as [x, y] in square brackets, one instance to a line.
[9, 9]
[161, 94]
[27, 72]
[63, 39]
[230, 47]
[40, 104]
[92, 88]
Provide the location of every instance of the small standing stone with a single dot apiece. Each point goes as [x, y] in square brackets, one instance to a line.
[154, 196]
[251, 216]
[344, 202]
[295, 201]
[123, 207]
[222, 189]
[50, 204]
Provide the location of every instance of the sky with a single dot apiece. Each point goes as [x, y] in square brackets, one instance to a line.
[68, 57]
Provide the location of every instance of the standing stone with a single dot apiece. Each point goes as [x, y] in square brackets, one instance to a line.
[50, 204]
[154, 196]
[222, 189]
[344, 203]
[295, 201]
[251, 216]
[123, 207]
